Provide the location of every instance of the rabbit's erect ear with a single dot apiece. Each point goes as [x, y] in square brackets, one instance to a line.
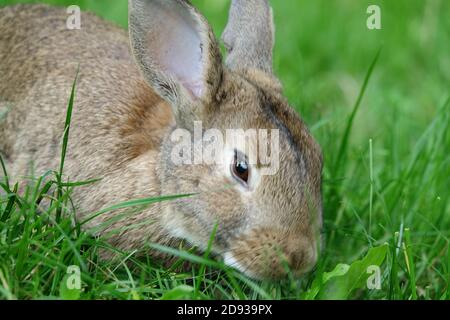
[249, 35]
[176, 51]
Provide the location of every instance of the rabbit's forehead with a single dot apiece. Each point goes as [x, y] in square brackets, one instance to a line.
[242, 105]
[251, 108]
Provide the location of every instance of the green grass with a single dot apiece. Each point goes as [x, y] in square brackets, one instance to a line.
[384, 129]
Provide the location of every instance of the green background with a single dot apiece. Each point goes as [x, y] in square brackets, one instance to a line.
[323, 51]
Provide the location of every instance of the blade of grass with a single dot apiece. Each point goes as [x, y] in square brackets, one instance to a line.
[64, 144]
[410, 263]
[346, 136]
[371, 190]
[186, 255]
[9, 206]
[4, 170]
[448, 271]
[135, 203]
[206, 256]
[80, 183]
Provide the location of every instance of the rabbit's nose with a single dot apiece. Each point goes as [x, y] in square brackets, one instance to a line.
[271, 254]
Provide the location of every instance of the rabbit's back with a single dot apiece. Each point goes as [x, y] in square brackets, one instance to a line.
[116, 116]
[35, 41]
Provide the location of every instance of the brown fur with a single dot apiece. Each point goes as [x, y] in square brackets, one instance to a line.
[124, 112]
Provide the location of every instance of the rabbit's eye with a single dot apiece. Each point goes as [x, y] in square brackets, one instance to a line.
[240, 168]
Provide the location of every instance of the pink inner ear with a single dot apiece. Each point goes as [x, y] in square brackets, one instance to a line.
[178, 49]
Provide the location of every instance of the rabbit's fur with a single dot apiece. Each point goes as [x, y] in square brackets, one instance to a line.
[127, 104]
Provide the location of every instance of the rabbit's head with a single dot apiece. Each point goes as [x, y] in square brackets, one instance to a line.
[259, 185]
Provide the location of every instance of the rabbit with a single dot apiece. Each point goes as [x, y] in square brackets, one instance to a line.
[134, 90]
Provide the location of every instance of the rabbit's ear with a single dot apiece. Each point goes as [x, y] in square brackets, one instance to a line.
[176, 52]
[249, 35]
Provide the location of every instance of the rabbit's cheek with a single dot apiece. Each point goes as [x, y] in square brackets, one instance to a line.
[193, 219]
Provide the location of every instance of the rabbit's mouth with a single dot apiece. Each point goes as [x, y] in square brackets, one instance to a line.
[230, 260]
[270, 254]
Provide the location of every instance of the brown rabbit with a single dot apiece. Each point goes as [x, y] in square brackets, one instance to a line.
[128, 104]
